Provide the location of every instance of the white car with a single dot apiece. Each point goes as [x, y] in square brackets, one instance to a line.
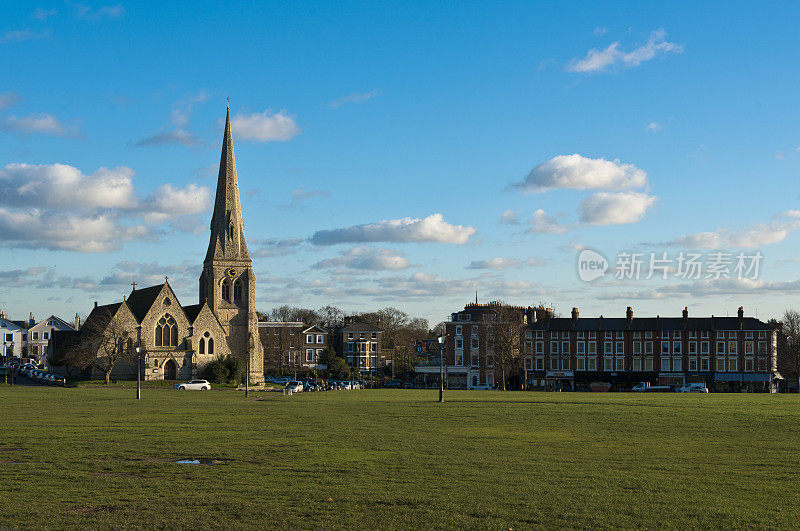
[693, 388]
[194, 385]
[296, 387]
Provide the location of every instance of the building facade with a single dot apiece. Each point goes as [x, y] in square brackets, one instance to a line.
[293, 345]
[39, 335]
[725, 353]
[360, 345]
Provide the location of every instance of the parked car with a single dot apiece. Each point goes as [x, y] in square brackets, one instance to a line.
[59, 380]
[393, 384]
[194, 385]
[282, 380]
[695, 387]
[295, 386]
[645, 387]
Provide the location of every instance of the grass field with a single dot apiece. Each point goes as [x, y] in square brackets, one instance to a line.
[396, 458]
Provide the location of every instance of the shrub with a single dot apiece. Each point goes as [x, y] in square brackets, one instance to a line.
[224, 370]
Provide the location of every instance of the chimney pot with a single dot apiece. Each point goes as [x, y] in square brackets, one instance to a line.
[685, 313]
[95, 304]
[575, 314]
[629, 313]
[740, 313]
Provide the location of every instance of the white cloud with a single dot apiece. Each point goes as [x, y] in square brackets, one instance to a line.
[356, 97]
[495, 264]
[166, 138]
[275, 246]
[653, 127]
[176, 132]
[582, 173]
[265, 126]
[600, 31]
[708, 288]
[43, 14]
[44, 123]
[752, 237]
[64, 186]
[430, 229]
[613, 57]
[605, 208]
[509, 217]
[22, 35]
[366, 258]
[55, 230]
[544, 224]
[7, 99]
[168, 202]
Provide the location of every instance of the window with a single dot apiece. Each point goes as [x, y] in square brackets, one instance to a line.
[459, 343]
[748, 348]
[693, 364]
[201, 349]
[580, 335]
[692, 347]
[565, 364]
[592, 347]
[664, 364]
[720, 347]
[619, 335]
[350, 347]
[591, 364]
[539, 364]
[693, 334]
[762, 335]
[458, 330]
[609, 335]
[350, 335]
[309, 338]
[565, 335]
[580, 363]
[704, 364]
[637, 348]
[677, 364]
[45, 335]
[648, 364]
[528, 334]
[475, 343]
[226, 290]
[664, 348]
[540, 347]
[35, 350]
[275, 331]
[648, 348]
[608, 364]
[237, 290]
[704, 347]
[748, 335]
[637, 364]
[539, 334]
[35, 335]
[676, 347]
[620, 347]
[732, 347]
[648, 335]
[720, 364]
[620, 364]
[554, 347]
[608, 348]
[373, 347]
[374, 335]
[704, 334]
[166, 332]
[309, 355]
[762, 348]
[592, 334]
[320, 339]
[677, 334]
[732, 335]
[459, 358]
[749, 364]
[565, 348]
[581, 348]
[733, 364]
[210, 345]
[637, 335]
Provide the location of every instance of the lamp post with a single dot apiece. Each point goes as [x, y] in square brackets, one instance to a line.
[442, 341]
[250, 346]
[5, 359]
[138, 372]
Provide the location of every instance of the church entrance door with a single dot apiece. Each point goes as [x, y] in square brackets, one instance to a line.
[170, 370]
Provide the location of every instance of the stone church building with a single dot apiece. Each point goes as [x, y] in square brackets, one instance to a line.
[177, 341]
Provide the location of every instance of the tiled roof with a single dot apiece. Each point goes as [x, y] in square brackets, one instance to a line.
[649, 323]
[192, 311]
[100, 316]
[140, 300]
[360, 327]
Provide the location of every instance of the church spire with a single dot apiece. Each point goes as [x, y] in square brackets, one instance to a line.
[227, 227]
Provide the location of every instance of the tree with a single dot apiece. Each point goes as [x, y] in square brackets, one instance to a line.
[224, 370]
[338, 368]
[789, 343]
[504, 341]
[104, 342]
[330, 317]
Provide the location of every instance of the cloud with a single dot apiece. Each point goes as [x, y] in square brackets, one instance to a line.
[613, 57]
[430, 229]
[176, 132]
[66, 187]
[600, 31]
[7, 99]
[43, 123]
[265, 126]
[169, 137]
[708, 288]
[109, 11]
[604, 208]
[653, 127]
[752, 237]
[544, 224]
[582, 173]
[299, 195]
[22, 35]
[366, 258]
[35, 229]
[276, 246]
[43, 14]
[356, 97]
[509, 217]
[168, 202]
[495, 264]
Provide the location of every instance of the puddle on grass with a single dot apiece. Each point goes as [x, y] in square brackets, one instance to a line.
[203, 461]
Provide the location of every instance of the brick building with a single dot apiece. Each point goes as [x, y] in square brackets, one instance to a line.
[726, 353]
[360, 345]
[289, 346]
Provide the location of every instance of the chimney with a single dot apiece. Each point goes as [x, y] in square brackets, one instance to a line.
[740, 313]
[77, 322]
[629, 313]
[95, 304]
[31, 320]
[685, 315]
[574, 314]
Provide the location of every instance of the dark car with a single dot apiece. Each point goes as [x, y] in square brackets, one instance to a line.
[393, 384]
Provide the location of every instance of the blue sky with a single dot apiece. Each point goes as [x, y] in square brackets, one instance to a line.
[401, 154]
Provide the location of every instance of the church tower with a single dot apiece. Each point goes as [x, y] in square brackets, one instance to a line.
[227, 282]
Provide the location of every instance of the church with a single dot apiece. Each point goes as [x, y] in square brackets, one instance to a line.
[176, 341]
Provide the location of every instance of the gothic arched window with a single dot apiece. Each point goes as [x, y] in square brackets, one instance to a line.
[226, 290]
[237, 290]
[210, 343]
[167, 332]
[202, 347]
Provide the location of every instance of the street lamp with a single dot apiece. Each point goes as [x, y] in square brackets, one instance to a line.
[250, 346]
[5, 359]
[138, 372]
[442, 341]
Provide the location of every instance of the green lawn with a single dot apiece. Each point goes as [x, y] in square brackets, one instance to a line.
[396, 458]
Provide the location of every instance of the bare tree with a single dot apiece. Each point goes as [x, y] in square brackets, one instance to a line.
[103, 343]
[330, 317]
[789, 354]
[505, 339]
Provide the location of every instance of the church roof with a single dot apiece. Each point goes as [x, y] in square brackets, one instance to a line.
[140, 300]
[192, 311]
[100, 316]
